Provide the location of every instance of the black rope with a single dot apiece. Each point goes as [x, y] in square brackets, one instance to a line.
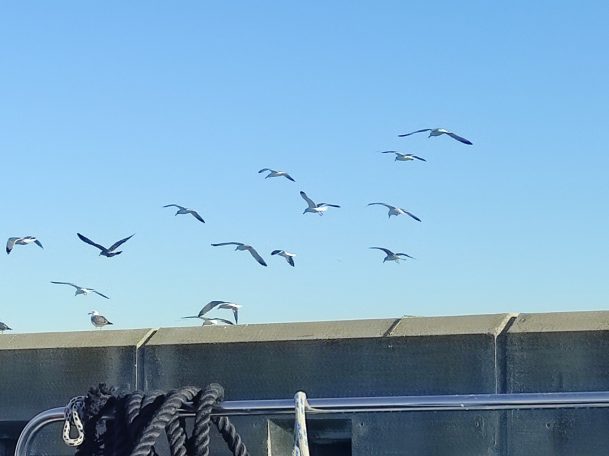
[138, 419]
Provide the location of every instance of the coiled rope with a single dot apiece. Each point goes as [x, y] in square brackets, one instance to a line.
[138, 419]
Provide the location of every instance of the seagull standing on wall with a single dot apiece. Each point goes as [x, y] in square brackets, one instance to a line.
[241, 246]
[289, 257]
[107, 252]
[273, 173]
[220, 305]
[403, 157]
[393, 210]
[316, 208]
[25, 240]
[183, 210]
[98, 320]
[81, 290]
[390, 256]
[439, 132]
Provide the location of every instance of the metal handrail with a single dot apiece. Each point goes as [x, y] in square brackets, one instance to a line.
[594, 399]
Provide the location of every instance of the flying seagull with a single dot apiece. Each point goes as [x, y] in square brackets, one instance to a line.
[438, 132]
[215, 321]
[274, 173]
[81, 290]
[316, 208]
[403, 157]
[4, 327]
[220, 305]
[396, 210]
[392, 256]
[287, 255]
[107, 252]
[99, 321]
[242, 246]
[12, 241]
[182, 210]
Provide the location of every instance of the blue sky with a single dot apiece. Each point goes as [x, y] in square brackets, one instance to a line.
[112, 109]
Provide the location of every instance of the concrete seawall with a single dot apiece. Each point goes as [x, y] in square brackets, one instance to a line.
[500, 353]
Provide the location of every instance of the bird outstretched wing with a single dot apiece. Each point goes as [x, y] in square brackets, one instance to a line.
[388, 206]
[413, 132]
[90, 242]
[65, 283]
[459, 138]
[227, 243]
[209, 306]
[387, 251]
[196, 215]
[412, 215]
[117, 244]
[309, 201]
[100, 294]
[256, 256]
[175, 205]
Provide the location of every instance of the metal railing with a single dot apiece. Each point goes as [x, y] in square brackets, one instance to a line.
[570, 400]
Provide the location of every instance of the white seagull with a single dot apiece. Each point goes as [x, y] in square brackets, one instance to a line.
[107, 252]
[438, 132]
[392, 256]
[287, 255]
[4, 327]
[220, 305]
[403, 157]
[316, 208]
[242, 246]
[274, 173]
[12, 241]
[183, 210]
[81, 290]
[98, 320]
[215, 321]
[393, 210]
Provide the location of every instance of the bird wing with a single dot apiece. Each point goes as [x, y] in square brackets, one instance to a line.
[10, 243]
[405, 254]
[287, 176]
[65, 283]
[309, 201]
[255, 254]
[416, 156]
[413, 132]
[90, 242]
[265, 169]
[101, 294]
[389, 152]
[290, 260]
[276, 252]
[196, 215]
[236, 314]
[38, 243]
[175, 205]
[388, 206]
[412, 215]
[117, 244]
[387, 251]
[101, 320]
[227, 243]
[459, 138]
[209, 306]
[327, 205]
[192, 316]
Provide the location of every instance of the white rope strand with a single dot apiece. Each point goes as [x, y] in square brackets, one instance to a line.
[301, 444]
